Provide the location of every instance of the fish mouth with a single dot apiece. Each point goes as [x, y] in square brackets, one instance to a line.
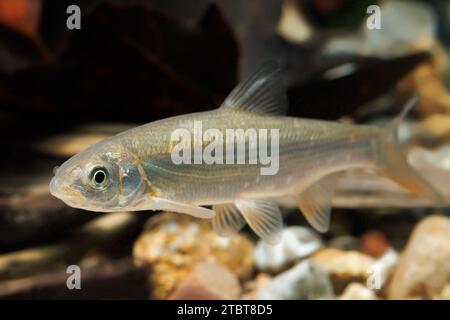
[70, 200]
[53, 187]
[61, 191]
[71, 197]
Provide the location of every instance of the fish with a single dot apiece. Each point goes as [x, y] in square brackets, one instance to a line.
[135, 169]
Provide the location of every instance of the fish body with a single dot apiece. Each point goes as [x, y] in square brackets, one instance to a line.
[308, 150]
[135, 170]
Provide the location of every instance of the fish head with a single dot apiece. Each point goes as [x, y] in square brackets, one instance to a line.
[102, 178]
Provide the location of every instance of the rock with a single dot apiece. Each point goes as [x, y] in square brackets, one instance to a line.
[434, 126]
[356, 291]
[253, 288]
[344, 267]
[293, 25]
[208, 281]
[296, 243]
[445, 293]
[434, 95]
[406, 27]
[173, 244]
[424, 266]
[374, 243]
[381, 270]
[303, 281]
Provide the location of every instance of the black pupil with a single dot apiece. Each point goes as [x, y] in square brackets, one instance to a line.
[99, 176]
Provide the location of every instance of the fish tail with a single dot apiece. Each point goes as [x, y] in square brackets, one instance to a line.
[394, 164]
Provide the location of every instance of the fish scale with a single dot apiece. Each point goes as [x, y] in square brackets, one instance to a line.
[296, 152]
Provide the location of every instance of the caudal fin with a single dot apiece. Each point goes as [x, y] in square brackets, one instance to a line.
[394, 163]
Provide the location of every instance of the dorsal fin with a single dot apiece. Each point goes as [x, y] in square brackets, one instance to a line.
[262, 92]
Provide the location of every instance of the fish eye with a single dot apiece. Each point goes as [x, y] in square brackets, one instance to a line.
[99, 177]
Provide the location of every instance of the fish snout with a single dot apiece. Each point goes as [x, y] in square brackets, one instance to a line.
[54, 187]
[60, 189]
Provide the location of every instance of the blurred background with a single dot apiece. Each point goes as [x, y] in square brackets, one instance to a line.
[136, 61]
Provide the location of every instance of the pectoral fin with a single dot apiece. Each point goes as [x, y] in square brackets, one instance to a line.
[315, 202]
[193, 210]
[264, 217]
[228, 219]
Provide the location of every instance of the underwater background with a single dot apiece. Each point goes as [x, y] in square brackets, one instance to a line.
[133, 62]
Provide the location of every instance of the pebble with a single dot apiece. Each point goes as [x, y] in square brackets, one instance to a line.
[296, 244]
[208, 281]
[174, 244]
[434, 95]
[357, 291]
[304, 281]
[445, 293]
[381, 271]
[253, 287]
[435, 126]
[423, 270]
[344, 267]
[374, 243]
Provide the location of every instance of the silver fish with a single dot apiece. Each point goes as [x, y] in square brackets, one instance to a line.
[134, 170]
